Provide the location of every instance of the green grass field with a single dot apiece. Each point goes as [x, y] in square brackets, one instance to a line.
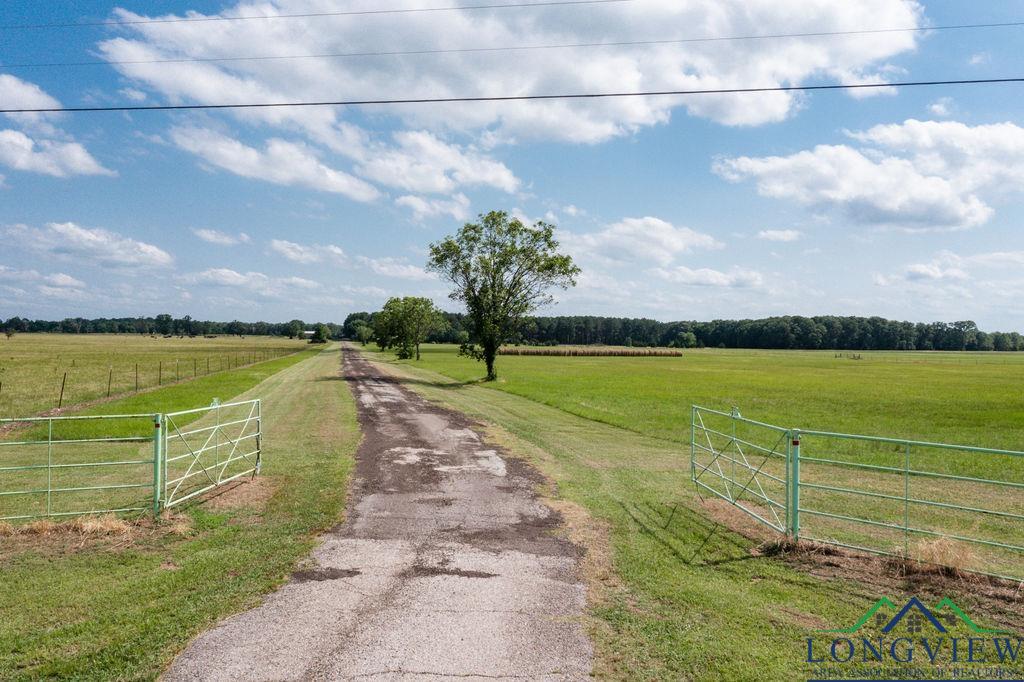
[32, 366]
[120, 607]
[968, 398]
[683, 597]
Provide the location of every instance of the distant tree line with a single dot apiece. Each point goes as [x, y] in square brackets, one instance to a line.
[165, 325]
[826, 332]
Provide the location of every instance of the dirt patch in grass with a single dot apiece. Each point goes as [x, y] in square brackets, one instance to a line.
[252, 493]
[592, 535]
[1001, 600]
[737, 520]
[104, 532]
[788, 615]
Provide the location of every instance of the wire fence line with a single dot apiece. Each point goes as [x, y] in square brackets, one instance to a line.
[937, 503]
[69, 384]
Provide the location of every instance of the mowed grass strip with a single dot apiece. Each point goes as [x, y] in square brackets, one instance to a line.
[32, 366]
[115, 611]
[683, 597]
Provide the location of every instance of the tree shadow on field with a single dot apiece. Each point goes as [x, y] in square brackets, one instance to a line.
[657, 525]
[449, 383]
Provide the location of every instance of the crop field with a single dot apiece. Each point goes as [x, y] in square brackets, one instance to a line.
[967, 399]
[33, 367]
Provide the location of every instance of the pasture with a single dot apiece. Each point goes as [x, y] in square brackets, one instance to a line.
[967, 398]
[960, 398]
[674, 594]
[33, 366]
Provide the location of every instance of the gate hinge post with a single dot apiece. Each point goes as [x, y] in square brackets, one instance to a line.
[794, 484]
[158, 429]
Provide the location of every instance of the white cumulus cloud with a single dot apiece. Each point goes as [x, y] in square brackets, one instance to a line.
[49, 157]
[708, 277]
[309, 253]
[682, 65]
[94, 246]
[457, 207]
[254, 282]
[638, 240]
[40, 147]
[281, 162]
[61, 279]
[779, 235]
[421, 162]
[221, 238]
[919, 175]
[395, 267]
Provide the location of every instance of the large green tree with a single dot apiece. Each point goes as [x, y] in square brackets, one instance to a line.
[364, 333]
[502, 271]
[405, 323]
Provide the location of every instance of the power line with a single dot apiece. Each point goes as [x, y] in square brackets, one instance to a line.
[520, 48]
[306, 15]
[511, 98]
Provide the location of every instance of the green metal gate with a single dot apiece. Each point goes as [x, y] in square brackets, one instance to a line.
[932, 502]
[71, 466]
[220, 444]
[742, 461]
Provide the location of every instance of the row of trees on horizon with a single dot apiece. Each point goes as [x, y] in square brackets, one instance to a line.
[165, 325]
[786, 332]
[795, 332]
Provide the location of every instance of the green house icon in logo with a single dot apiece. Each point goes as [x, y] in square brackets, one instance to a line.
[914, 611]
[915, 616]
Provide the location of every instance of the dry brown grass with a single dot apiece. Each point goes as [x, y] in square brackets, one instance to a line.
[105, 532]
[940, 555]
[176, 524]
[104, 524]
[591, 351]
[785, 545]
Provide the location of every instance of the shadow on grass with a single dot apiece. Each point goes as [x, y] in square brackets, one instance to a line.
[657, 526]
[407, 381]
[451, 383]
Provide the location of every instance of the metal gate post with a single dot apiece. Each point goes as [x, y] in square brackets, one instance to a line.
[259, 437]
[794, 485]
[693, 443]
[158, 428]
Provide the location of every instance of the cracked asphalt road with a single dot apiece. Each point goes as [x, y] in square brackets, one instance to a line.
[446, 566]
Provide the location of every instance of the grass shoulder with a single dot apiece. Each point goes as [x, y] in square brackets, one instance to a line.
[126, 605]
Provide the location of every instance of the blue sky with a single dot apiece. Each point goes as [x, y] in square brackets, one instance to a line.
[902, 204]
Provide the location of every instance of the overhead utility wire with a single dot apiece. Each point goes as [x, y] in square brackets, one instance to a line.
[507, 98]
[306, 15]
[514, 48]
